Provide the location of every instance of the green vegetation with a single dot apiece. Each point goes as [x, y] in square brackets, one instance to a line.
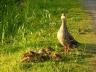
[33, 24]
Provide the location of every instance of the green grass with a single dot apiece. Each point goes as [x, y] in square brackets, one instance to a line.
[33, 24]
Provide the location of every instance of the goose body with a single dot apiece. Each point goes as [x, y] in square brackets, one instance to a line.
[64, 37]
[61, 32]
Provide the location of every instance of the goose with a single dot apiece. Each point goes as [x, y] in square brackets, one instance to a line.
[55, 56]
[27, 56]
[64, 37]
[49, 50]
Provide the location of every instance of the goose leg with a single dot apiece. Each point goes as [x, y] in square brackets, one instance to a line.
[66, 48]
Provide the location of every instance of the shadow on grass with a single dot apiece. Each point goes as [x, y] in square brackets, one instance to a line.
[91, 48]
[88, 50]
[84, 50]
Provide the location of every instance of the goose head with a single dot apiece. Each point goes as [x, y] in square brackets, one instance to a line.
[62, 17]
[63, 20]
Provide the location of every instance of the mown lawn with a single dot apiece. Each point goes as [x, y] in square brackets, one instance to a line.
[38, 29]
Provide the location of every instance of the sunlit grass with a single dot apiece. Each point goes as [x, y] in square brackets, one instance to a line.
[34, 24]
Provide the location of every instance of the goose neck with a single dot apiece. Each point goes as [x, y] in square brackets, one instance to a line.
[63, 23]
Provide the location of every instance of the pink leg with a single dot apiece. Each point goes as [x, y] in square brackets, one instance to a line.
[66, 49]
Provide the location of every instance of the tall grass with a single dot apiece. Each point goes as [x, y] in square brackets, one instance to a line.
[13, 17]
[23, 16]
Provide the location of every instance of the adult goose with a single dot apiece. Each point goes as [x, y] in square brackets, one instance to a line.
[64, 37]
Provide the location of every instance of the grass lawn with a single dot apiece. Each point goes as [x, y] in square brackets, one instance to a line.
[38, 29]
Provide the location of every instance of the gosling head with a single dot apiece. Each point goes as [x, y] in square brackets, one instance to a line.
[62, 17]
